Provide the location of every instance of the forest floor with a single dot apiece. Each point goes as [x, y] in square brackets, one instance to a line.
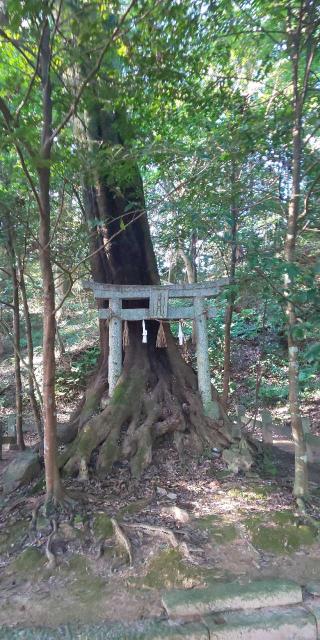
[188, 523]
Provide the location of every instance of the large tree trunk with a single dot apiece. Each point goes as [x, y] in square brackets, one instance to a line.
[157, 392]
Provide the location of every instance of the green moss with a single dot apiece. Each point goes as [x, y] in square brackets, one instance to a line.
[282, 535]
[262, 491]
[83, 583]
[206, 522]
[91, 405]
[119, 393]
[13, 535]
[218, 530]
[89, 588]
[224, 534]
[236, 493]
[29, 560]
[283, 517]
[80, 518]
[38, 487]
[87, 441]
[252, 493]
[102, 526]
[221, 474]
[133, 508]
[143, 455]
[79, 564]
[168, 570]
[128, 391]
[109, 453]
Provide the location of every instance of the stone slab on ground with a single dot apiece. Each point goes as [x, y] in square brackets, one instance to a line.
[313, 588]
[226, 596]
[21, 470]
[144, 630]
[282, 623]
[313, 605]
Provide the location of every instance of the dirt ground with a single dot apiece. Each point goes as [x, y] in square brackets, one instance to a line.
[188, 524]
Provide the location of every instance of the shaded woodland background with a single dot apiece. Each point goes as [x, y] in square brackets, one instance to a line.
[204, 116]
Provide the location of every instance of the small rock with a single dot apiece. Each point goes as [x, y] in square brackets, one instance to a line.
[68, 532]
[161, 491]
[313, 588]
[181, 515]
[24, 468]
[237, 460]
[172, 496]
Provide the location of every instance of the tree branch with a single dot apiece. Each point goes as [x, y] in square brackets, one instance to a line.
[92, 73]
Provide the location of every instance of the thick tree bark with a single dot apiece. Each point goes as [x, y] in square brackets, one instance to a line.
[32, 395]
[230, 306]
[53, 483]
[157, 392]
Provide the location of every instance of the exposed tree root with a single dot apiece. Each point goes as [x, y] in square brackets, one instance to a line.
[52, 561]
[155, 530]
[156, 395]
[122, 540]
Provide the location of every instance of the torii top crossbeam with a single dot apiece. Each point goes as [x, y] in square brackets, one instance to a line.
[158, 296]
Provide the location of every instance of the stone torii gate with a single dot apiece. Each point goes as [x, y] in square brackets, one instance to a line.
[160, 309]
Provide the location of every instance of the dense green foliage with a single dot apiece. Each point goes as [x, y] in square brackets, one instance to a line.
[203, 97]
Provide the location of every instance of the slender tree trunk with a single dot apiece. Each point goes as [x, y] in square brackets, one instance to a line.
[60, 292]
[301, 467]
[191, 269]
[299, 88]
[189, 266]
[33, 400]
[53, 482]
[230, 306]
[16, 339]
[17, 364]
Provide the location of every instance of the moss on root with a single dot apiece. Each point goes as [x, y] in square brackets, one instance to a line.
[102, 526]
[109, 452]
[143, 456]
[91, 406]
[168, 570]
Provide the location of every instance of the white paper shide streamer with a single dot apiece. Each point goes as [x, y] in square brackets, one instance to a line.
[180, 334]
[144, 333]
